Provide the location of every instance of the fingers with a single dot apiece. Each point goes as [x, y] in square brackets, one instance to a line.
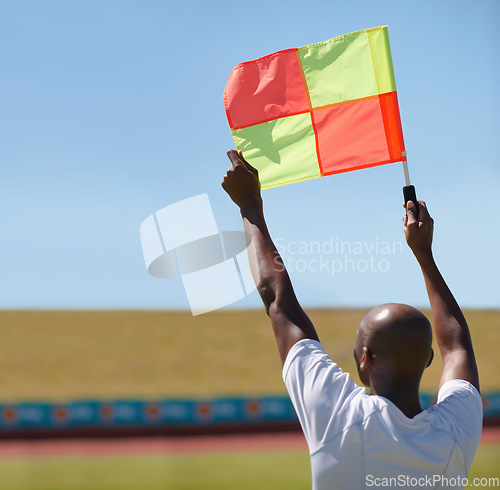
[247, 165]
[224, 182]
[234, 157]
[411, 213]
[423, 213]
[237, 159]
[236, 163]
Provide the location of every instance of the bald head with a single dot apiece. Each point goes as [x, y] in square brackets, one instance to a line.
[394, 341]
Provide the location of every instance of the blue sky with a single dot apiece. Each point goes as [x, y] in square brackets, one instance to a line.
[112, 109]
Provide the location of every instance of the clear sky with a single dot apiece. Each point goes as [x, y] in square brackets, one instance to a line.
[112, 109]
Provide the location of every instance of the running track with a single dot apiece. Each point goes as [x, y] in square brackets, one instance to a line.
[177, 445]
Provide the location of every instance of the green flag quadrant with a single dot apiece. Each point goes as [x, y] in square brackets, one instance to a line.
[317, 110]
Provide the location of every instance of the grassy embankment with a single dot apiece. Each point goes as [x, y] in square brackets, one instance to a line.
[220, 471]
[58, 355]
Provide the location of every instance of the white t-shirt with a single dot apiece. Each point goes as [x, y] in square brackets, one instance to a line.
[358, 441]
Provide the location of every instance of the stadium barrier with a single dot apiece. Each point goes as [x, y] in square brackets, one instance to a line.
[167, 417]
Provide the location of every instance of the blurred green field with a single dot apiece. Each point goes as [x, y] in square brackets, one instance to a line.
[287, 470]
[59, 355]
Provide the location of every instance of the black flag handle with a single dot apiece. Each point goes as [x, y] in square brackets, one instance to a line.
[408, 190]
[410, 195]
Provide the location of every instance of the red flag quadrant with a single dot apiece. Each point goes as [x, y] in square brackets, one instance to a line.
[317, 110]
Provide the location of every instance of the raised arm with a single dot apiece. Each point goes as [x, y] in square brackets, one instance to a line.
[289, 321]
[452, 332]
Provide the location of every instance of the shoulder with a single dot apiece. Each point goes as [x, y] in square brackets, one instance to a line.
[461, 400]
[309, 372]
[306, 351]
[459, 389]
[459, 409]
[324, 397]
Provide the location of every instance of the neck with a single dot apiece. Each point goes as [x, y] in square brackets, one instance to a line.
[404, 396]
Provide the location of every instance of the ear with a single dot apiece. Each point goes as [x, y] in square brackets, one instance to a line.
[366, 359]
[432, 357]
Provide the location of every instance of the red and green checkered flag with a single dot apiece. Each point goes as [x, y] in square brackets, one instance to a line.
[317, 110]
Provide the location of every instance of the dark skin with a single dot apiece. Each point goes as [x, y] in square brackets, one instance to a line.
[290, 322]
[393, 347]
[451, 329]
[393, 342]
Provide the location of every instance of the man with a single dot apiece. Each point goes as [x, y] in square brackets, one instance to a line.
[357, 440]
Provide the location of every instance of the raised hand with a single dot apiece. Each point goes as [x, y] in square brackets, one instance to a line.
[418, 229]
[241, 181]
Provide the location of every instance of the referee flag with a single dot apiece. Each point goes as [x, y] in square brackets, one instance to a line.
[317, 110]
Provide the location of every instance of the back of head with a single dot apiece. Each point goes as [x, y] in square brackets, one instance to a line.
[397, 341]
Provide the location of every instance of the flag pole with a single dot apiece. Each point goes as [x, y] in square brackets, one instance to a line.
[408, 190]
[407, 175]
